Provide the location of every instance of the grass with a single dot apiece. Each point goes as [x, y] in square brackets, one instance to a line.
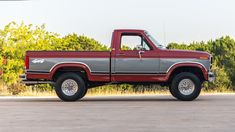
[109, 90]
[92, 92]
[89, 93]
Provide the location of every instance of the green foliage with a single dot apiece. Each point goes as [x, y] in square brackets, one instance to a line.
[124, 47]
[224, 51]
[88, 44]
[222, 82]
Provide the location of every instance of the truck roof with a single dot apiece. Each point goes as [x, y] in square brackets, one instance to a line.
[130, 30]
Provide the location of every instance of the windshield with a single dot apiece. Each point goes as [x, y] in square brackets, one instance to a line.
[156, 43]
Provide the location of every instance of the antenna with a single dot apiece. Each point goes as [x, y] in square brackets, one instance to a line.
[164, 32]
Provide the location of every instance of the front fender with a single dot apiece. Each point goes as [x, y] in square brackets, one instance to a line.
[188, 64]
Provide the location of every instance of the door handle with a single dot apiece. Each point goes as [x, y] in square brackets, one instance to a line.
[140, 53]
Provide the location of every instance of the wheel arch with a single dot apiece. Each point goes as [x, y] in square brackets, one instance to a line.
[80, 68]
[196, 68]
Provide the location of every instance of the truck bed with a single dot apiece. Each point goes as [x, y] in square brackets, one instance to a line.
[97, 62]
[79, 54]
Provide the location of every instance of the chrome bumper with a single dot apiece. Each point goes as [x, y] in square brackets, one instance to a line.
[211, 76]
[23, 79]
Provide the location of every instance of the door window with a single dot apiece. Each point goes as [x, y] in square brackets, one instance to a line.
[133, 42]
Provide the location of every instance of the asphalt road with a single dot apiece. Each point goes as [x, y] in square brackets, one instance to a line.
[118, 114]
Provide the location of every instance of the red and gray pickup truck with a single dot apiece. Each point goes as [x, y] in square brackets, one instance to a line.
[135, 57]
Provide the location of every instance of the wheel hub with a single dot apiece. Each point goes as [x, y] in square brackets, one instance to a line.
[186, 86]
[69, 87]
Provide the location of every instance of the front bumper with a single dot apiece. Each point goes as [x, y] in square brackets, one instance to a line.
[211, 76]
[24, 80]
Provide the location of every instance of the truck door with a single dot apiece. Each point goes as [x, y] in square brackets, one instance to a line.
[135, 58]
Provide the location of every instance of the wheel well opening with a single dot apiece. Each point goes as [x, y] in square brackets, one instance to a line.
[81, 72]
[195, 70]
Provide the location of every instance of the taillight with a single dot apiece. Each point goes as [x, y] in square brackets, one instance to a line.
[27, 62]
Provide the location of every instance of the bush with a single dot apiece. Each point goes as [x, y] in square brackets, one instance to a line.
[15, 89]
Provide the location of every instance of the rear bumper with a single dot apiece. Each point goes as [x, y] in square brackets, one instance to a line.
[211, 76]
[23, 77]
[24, 80]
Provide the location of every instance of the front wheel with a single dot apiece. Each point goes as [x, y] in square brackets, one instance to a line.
[70, 87]
[185, 86]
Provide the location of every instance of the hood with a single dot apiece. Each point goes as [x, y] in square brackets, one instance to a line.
[169, 53]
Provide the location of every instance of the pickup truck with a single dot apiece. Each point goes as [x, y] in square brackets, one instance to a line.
[135, 57]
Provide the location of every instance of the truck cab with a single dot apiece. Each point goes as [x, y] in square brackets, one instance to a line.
[135, 57]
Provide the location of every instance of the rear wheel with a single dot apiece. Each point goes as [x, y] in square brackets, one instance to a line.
[70, 87]
[185, 86]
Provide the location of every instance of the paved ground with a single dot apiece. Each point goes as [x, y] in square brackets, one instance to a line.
[118, 114]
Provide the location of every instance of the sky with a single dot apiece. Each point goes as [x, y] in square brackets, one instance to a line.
[168, 21]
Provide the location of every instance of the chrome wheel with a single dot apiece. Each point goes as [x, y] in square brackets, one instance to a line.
[69, 87]
[186, 86]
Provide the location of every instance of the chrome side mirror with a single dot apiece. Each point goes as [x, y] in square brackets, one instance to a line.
[139, 47]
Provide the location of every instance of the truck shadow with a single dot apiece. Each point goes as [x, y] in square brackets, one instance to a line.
[102, 99]
[125, 99]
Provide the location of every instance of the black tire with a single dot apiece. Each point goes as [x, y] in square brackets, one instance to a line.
[78, 94]
[84, 94]
[170, 89]
[195, 81]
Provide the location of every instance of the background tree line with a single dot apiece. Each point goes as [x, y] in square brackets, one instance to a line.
[15, 39]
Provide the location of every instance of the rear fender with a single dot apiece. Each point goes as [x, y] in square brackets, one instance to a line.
[80, 65]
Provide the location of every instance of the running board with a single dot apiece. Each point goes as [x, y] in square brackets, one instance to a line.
[37, 82]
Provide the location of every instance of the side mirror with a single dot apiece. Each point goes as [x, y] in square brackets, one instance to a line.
[139, 47]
